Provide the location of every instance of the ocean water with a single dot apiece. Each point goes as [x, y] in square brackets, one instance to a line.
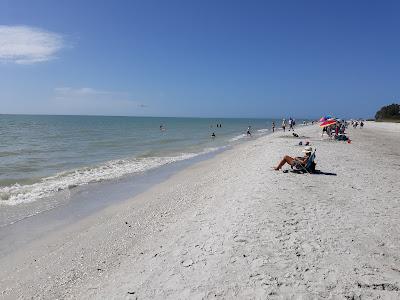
[41, 156]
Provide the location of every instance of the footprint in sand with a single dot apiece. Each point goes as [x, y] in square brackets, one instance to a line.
[187, 263]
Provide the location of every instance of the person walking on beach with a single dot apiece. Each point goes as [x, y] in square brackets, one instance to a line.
[290, 124]
[329, 130]
[284, 125]
[273, 126]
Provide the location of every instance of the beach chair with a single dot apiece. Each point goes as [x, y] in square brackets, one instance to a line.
[308, 168]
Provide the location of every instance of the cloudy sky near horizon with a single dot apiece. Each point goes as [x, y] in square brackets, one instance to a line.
[199, 58]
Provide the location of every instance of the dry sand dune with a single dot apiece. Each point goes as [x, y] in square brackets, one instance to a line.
[231, 227]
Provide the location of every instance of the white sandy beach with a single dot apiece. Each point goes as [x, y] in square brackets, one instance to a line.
[232, 228]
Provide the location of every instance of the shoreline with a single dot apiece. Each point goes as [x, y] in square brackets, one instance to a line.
[230, 227]
[85, 201]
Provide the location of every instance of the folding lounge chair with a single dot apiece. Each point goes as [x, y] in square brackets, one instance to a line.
[298, 167]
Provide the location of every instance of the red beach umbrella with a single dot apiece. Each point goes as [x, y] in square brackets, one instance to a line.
[327, 123]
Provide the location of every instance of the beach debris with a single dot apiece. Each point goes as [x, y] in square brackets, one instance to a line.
[396, 270]
[254, 275]
[187, 263]
[379, 286]
[240, 239]
[353, 297]
[131, 292]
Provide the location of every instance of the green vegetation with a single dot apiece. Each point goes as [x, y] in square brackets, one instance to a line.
[389, 113]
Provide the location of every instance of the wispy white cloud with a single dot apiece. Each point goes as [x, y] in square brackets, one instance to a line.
[28, 45]
[88, 100]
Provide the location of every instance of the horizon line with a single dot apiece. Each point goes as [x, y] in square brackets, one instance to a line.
[148, 116]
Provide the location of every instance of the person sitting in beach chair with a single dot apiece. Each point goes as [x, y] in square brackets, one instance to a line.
[308, 167]
[297, 162]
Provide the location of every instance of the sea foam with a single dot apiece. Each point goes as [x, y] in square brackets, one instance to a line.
[17, 194]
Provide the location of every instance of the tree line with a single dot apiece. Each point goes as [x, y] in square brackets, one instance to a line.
[388, 113]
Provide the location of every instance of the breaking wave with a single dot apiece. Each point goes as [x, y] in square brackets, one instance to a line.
[17, 194]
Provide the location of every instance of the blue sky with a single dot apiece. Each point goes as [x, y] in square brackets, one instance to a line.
[199, 58]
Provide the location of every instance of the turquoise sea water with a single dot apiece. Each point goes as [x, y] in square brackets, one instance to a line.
[41, 155]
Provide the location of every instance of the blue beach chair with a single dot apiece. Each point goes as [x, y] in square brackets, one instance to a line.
[308, 168]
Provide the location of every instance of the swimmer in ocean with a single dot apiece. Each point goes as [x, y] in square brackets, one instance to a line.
[248, 131]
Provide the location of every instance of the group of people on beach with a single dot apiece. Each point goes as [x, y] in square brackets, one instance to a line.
[355, 123]
[337, 129]
[334, 128]
[302, 160]
[291, 123]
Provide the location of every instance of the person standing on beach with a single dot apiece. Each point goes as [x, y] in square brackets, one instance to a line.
[323, 131]
[273, 126]
[284, 125]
